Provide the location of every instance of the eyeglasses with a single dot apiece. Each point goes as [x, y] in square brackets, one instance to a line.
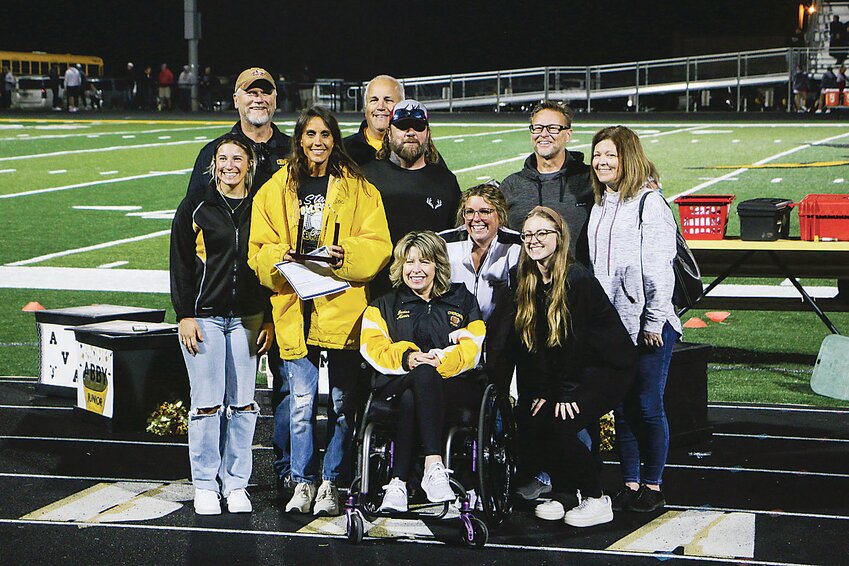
[469, 213]
[552, 129]
[540, 235]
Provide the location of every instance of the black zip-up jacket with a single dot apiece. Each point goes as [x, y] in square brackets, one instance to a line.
[569, 192]
[597, 358]
[270, 156]
[360, 151]
[209, 268]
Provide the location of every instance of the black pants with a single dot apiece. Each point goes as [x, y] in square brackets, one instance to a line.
[424, 398]
[550, 443]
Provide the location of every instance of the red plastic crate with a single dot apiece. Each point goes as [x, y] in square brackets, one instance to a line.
[824, 217]
[703, 217]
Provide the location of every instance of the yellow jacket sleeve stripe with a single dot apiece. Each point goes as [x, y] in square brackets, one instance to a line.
[465, 353]
[377, 347]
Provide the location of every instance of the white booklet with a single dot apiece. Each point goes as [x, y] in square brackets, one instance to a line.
[312, 279]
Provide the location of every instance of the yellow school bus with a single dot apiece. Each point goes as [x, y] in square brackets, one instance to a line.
[39, 62]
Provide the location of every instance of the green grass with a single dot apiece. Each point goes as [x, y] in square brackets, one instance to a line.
[759, 356]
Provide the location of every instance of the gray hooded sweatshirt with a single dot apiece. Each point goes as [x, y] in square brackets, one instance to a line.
[634, 264]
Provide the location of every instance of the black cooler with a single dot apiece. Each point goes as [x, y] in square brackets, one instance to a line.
[764, 219]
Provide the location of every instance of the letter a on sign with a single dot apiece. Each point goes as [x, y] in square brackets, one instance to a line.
[53, 338]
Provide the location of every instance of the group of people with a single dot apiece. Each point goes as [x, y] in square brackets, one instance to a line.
[562, 275]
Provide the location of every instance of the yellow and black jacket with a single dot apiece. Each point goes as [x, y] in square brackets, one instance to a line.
[400, 322]
[210, 275]
[355, 205]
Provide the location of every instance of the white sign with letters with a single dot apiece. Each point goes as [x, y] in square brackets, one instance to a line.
[96, 386]
[59, 349]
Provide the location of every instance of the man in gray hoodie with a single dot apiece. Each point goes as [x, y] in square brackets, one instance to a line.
[553, 176]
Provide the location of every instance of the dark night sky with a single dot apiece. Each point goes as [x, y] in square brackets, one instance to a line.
[356, 39]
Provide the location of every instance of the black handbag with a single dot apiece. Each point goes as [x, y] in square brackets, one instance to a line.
[688, 278]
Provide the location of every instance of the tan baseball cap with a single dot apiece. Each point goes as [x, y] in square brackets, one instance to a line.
[255, 77]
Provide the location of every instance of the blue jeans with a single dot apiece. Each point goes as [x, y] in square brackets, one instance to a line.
[222, 376]
[642, 432]
[302, 376]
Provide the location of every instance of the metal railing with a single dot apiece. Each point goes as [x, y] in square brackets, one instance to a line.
[645, 84]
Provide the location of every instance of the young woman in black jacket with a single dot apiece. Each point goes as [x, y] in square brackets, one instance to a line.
[576, 360]
[225, 323]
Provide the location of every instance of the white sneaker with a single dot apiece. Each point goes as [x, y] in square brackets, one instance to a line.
[591, 511]
[550, 511]
[394, 497]
[207, 502]
[327, 500]
[436, 485]
[302, 499]
[239, 502]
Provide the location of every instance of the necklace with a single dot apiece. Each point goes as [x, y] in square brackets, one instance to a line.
[227, 204]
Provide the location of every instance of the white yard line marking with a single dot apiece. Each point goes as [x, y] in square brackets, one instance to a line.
[283, 534]
[108, 172]
[87, 135]
[120, 208]
[93, 183]
[94, 150]
[127, 137]
[769, 512]
[113, 264]
[479, 134]
[92, 440]
[838, 180]
[579, 146]
[101, 246]
[497, 140]
[84, 478]
[761, 162]
[779, 437]
[7, 170]
[776, 180]
[57, 171]
[459, 140]
[85, 279]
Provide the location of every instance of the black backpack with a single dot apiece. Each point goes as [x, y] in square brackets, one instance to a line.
[688, 278]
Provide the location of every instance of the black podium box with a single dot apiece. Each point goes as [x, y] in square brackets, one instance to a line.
[57, 347]
[127, 369]
[686, 394]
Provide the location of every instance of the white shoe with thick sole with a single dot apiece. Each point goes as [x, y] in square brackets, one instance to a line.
[592, 511]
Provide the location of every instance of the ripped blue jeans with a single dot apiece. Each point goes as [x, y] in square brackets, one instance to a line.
[222, 379]
[302, 376]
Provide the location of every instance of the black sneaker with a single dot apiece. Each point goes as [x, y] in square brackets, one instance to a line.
[533, 489]
[285, 485]
[646, 501]
[624, 498]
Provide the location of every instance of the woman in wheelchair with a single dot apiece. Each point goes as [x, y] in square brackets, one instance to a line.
[421, 338]
[575, 363]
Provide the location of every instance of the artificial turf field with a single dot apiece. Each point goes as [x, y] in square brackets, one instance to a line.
[99, 194]
[769, 486]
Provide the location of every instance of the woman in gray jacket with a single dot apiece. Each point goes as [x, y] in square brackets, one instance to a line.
[631, 249]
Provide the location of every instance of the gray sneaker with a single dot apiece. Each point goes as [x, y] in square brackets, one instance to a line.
[533, 489]
[327, 500]
[302, 499]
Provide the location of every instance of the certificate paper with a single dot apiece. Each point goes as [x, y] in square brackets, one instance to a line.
[311, 279]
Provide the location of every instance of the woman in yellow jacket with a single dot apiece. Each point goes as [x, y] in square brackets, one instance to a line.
[321, 192]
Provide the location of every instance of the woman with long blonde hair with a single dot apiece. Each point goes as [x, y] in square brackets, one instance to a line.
[575, 363]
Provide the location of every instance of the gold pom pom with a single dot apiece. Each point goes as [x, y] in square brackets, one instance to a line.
[607, 432]
[169, 419]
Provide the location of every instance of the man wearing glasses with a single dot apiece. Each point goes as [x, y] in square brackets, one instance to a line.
[255, 97]
[417, 192]
[553, 176]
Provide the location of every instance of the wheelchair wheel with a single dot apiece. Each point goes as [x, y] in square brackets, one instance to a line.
[380, 472]
[496, 455]
[355, 527]
[473, 532]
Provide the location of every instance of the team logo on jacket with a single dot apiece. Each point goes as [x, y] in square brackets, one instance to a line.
[434, 204]
[455, 319]
[402, 314]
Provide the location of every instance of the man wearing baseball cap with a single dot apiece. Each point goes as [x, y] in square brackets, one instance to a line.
[418, 193]
[255, 97]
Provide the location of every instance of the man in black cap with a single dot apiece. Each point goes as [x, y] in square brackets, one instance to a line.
[418, 193]
[255, 97]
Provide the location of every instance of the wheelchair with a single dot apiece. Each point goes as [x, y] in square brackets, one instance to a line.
[481, 439]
